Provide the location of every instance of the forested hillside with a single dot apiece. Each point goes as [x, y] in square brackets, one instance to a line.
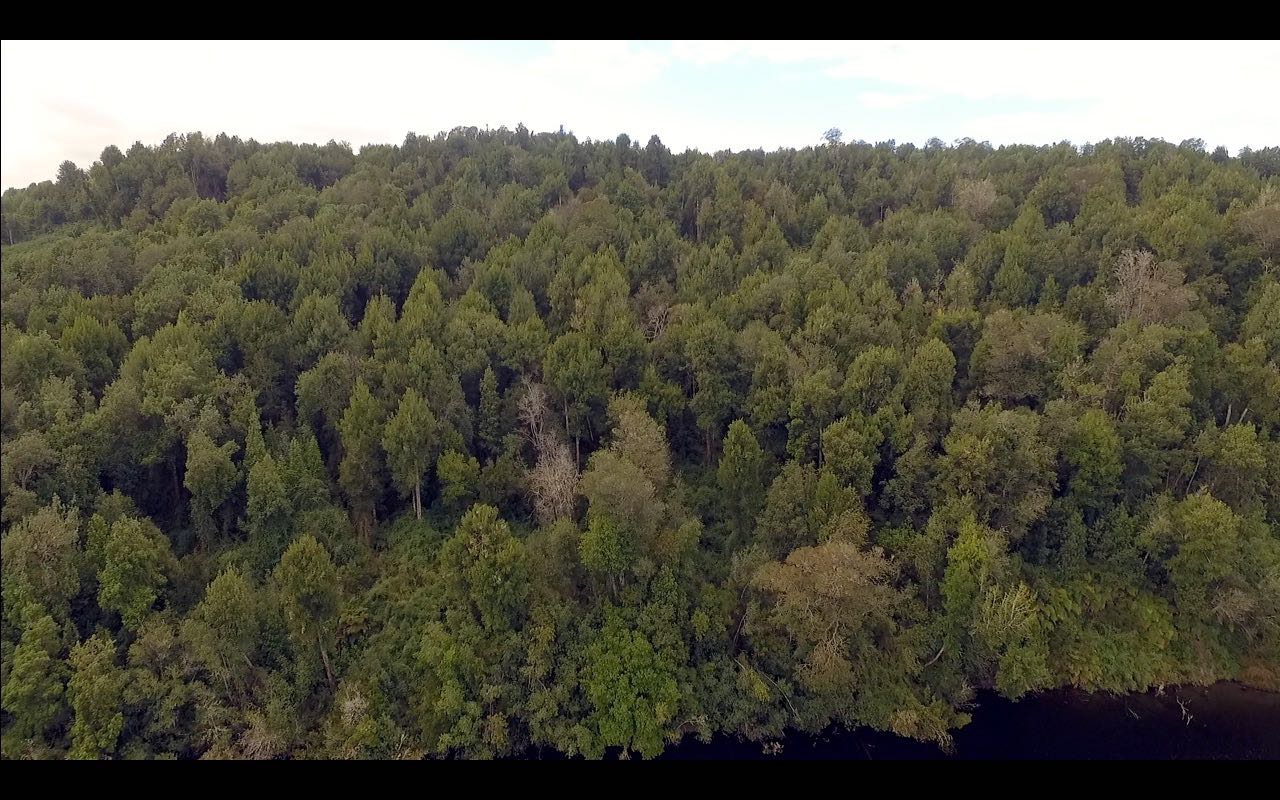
[496, 440]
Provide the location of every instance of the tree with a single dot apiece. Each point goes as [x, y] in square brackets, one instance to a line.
[306, 481]
[33, 693]
[851, 450]
[269, 522]
[632, 691]
[223, 630]
[411, 442]
[740, 476]
[41, 558]
[1094, 453]
[309, 587]
[1013, 285]
[713, 362]
[575, 369]
[95, 693]
[999, 459]
[489, 416]
[1199, 542]
[488, 563]
[1019, 357]
[814, 404]
[975, 197]
[1147, 290]
[459, 477]
[138, 560]
[99, 348]
[211, 477]
[1153, 427]
[826, 598]
[319, 328]
[1263, 319]
[1235, 465]
[361, 468]
[871, 378]
[553, 481]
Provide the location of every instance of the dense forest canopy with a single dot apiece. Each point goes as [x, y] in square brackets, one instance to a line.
[498, 440]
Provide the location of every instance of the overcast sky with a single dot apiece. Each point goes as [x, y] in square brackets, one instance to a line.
[69, 100]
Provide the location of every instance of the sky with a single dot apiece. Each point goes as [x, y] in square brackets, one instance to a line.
[69, 100]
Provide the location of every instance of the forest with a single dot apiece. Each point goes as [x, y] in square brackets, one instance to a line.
[493, 443]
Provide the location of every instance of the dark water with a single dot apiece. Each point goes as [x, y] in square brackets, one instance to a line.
[1223, 721]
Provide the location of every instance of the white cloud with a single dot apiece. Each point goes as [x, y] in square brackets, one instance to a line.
[1222, 92]
[599, 65]
[888, 100]
[1036, 70]
[70, 99]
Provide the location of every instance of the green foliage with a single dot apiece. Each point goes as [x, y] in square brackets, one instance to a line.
[41, 556]
[741, 478]
[410, 441]
[95, 690]
[33, 692]
[134, 573]
[459, 479]
[694, 443]
[361, 469]
[222, 632]
[631, 689]
[211, 476]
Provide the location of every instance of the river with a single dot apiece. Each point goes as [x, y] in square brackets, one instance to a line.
[1222, 721]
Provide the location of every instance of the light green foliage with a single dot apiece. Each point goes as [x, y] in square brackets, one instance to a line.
[268, 506]
[135, 570]
[632, 691]
[33, 692]
[459, 477]
[410, 443]
[41, 556]
[999, 459]
[850, 449]
[605, 547]
[210, 477]
[740, 476]
[1093, 451]
[311, 597]
[362, 461]
[490, 564]
[95, 690]
[575, 370]
[223, 630]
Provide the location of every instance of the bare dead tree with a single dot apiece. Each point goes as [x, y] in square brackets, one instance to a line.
[553, 481]
[1148, 290]
[533, 410]
[975, 197]
[656, 322]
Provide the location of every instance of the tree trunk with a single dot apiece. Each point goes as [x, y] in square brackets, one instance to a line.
[177, 491]
[417, 499]
[328, 670]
